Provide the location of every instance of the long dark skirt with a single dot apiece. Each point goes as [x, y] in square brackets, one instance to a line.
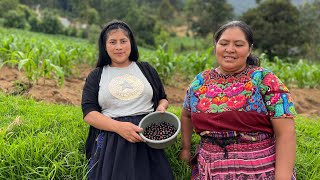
[114, 158]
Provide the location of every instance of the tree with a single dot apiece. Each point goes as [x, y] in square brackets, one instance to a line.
[18, 17]
[141, 18]
[113, 9]
[177, 4]
[309, 20]
[166, 10]
[7, 5]
[275, 26]
[144, 24]
[15, 19]
[91, 16]
[206, 16]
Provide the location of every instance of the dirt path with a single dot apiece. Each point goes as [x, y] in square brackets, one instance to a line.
[307, 101]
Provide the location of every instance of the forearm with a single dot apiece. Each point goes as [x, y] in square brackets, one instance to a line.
[186, 139]
[285, 156]
[100, 121]
[186, 134]
[285, 134]
[186, 130]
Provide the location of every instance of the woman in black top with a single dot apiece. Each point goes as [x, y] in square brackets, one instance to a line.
[117, 94]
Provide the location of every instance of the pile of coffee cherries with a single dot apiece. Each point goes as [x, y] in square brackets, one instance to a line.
[159, 131]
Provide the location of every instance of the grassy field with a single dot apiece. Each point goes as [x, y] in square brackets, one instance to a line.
[46, 141]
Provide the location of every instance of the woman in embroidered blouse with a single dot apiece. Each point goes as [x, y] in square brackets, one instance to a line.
[117, 94]
[243, 113]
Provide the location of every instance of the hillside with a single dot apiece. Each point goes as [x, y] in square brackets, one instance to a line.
[243, 5]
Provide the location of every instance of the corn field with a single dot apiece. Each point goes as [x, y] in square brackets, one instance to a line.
[55, 57]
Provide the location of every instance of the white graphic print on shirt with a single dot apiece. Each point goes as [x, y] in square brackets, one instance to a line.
[126, 87]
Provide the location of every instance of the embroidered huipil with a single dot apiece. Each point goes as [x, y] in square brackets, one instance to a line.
[241, 103]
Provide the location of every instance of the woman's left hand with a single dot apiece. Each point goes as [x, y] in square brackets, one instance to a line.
[161, 109]
[163, 105]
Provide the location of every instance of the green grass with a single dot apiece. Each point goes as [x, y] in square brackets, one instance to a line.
[187, 45]
[46, 141]
[40, 141]
[308, 151]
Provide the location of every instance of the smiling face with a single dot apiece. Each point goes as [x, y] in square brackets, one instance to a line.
[232, 50]
[118, 47]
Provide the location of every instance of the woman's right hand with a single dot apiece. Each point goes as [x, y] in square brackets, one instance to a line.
[129, 131]
[185, 155]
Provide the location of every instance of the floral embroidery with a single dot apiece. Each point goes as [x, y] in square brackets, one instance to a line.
[231, 80]
[248, 86]
[196, 84]
[204, 104]
[255, 89]
[287, 104]
[221, 81]
[234, 89]
[218, 104]
[213, 91]
[256, 103]
[256, 77]
[271, 81]
[278, 110]
[202, 89]
[218, 101]
[236, 102]
[274, 99]
[193, 103]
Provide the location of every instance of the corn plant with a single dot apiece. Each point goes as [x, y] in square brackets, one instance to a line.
[301, 74]
[37, 54]
[48, 70]
[193, 63]
[29, 63]
[164, 62]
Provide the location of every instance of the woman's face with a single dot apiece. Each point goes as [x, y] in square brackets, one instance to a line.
[232, 50]
[118, 47]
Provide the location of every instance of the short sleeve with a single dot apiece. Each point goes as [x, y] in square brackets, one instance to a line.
[190, 101]
[186, 102]
[277, 97]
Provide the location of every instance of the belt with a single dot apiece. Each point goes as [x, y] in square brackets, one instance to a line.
[221, 142]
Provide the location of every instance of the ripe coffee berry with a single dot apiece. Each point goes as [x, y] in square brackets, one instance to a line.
[159, 131]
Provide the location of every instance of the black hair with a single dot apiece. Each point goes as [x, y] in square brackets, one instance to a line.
[251, 60]
[104, 58]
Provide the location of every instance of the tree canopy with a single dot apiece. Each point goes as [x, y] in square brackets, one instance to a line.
[205, 16]
[275, 26]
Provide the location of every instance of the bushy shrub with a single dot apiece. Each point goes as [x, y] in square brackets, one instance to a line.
[15, 19]
[7, 5]
[21, 17]
[71, 31]
[51, 23]
[93, 33]
[35, 24]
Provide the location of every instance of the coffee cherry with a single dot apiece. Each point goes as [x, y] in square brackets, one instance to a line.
[159, 131]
